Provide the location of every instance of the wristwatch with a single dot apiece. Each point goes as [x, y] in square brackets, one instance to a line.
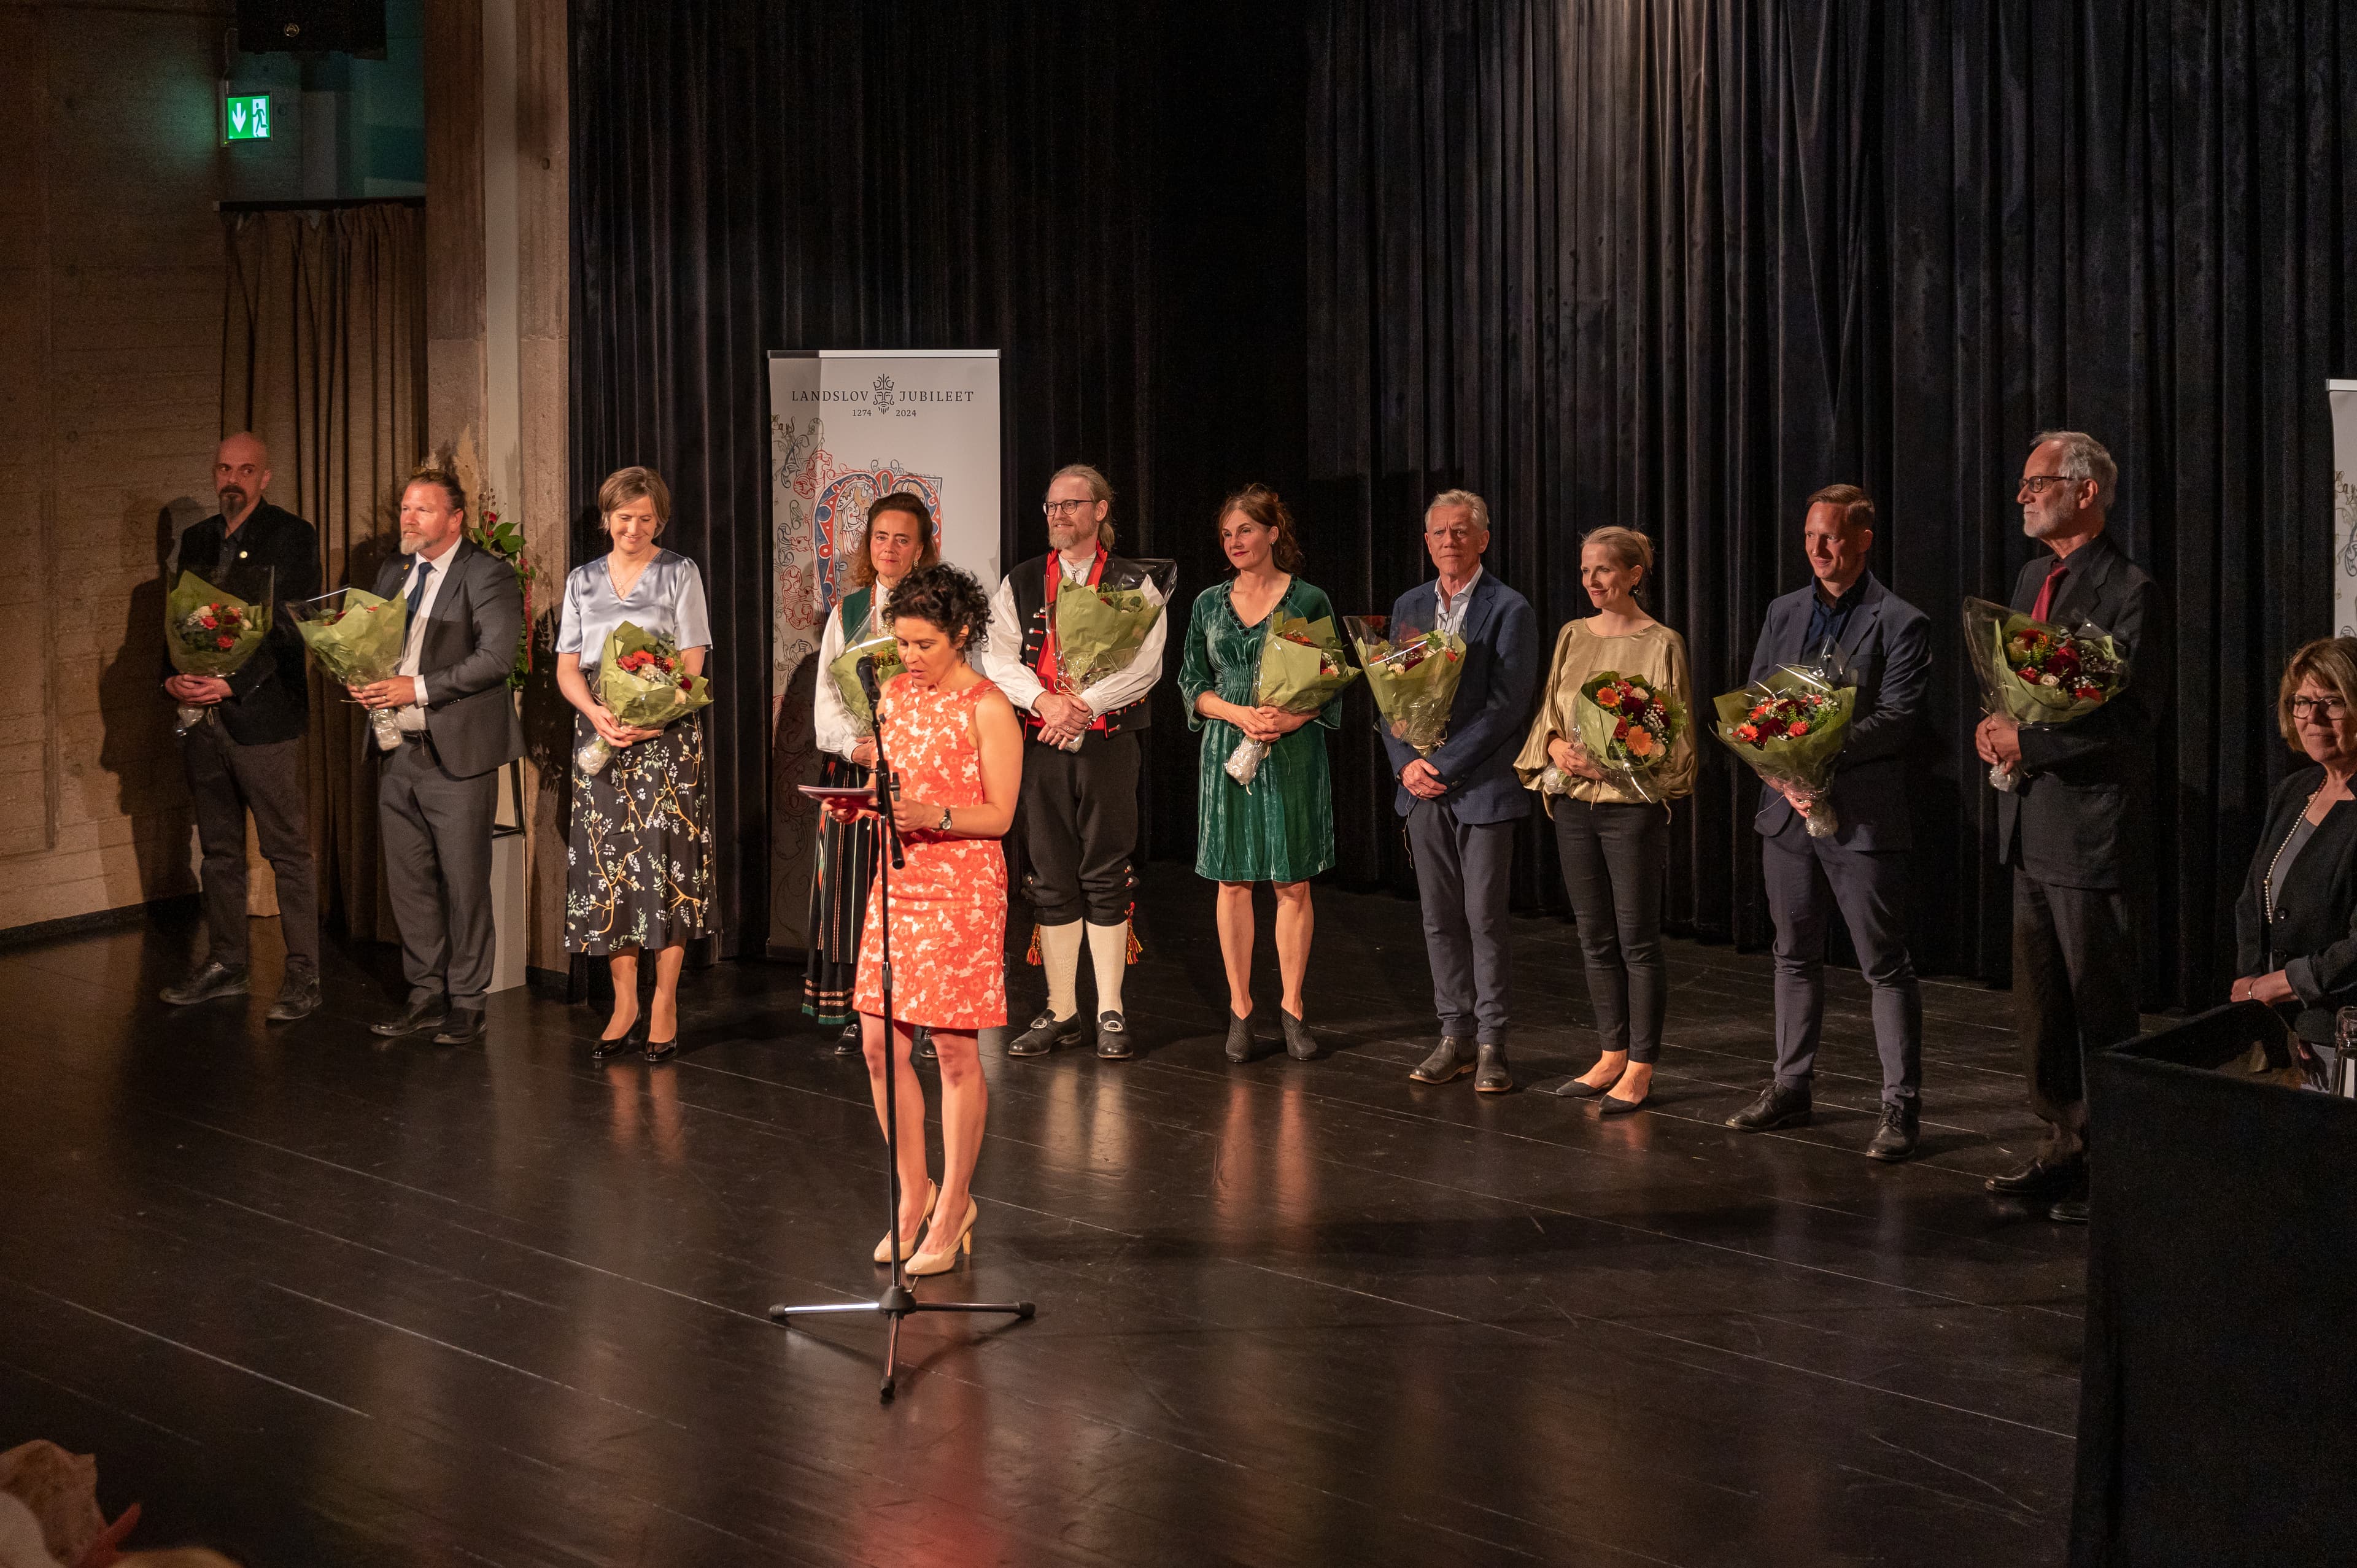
[945, 821]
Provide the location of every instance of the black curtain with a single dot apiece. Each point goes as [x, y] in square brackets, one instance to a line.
[1675, 264]
[1110, 196]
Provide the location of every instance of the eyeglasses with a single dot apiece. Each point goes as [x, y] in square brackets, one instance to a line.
[2036, 483]
[1054, 510]
[2330, 709]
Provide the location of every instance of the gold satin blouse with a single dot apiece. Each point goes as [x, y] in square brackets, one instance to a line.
[1658, 655]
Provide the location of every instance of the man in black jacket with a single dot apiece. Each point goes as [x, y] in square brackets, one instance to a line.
[247, 754]
[2072, 826]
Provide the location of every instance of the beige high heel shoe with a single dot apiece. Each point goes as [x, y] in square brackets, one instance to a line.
[940, 1262]
[884, 1247]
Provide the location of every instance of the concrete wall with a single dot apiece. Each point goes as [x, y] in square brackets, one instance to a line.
[111, 268]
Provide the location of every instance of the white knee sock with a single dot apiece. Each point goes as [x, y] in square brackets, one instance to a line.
[1109, 956]
[1059, 955]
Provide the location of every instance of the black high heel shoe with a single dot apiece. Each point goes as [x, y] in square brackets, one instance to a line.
[662, 1050]
[1298, 1044]
[636, 1035]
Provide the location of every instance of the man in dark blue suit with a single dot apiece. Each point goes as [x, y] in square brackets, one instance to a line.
[1463, 800]
[1847, 617]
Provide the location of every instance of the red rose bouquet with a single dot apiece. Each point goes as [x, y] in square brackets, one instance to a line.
[2035, 673]
[209, 632]
[643, 682]
[1790, 727]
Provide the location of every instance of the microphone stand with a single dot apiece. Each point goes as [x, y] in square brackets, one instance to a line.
[898, 1300]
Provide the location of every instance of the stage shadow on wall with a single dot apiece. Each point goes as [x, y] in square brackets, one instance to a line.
[137, 749]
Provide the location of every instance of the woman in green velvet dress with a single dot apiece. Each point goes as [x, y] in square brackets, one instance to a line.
[1281, 831]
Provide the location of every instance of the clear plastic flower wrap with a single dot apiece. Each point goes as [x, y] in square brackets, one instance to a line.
[1412, 673]
[2035, 673]
[1101, 629]
[1790, 727]
[357, 639]
[644, 683]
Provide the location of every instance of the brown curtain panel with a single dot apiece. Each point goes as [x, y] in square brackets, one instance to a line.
[323, 356]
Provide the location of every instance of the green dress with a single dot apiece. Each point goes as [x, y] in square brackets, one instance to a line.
[1283, 829]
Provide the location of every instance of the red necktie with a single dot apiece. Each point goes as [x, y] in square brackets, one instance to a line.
[2046, 593]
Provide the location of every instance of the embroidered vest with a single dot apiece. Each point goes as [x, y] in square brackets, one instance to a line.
[1030, 581]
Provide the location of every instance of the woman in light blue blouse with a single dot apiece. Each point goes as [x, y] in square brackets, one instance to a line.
[638, 857]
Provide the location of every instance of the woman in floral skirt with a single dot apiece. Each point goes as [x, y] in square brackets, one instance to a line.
[639, 855]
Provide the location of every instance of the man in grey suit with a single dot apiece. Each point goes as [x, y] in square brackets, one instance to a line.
[1462, 803]
[1884, 644]
[2072, 827]
[437, 792]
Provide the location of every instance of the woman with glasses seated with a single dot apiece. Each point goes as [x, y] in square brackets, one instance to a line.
[2296, 922]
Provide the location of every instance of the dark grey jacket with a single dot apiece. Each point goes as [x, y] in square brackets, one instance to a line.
[1889, 647]
[2313, 939]
[471, 645]
[2078, 818]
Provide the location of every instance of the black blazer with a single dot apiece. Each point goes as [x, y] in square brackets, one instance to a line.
[2077, 818]
[471, 645]
[1888, 647]
[269, 697]
[2315, 938]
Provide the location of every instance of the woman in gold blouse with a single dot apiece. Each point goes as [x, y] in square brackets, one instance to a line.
[1615, 844]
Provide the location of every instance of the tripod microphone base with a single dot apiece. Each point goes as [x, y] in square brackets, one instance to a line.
[896, 1303]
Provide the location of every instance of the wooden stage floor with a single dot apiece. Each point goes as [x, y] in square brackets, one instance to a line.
[319, 1299]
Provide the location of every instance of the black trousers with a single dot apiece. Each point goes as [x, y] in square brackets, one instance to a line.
[1808, 879]
[2074, 990]
[1615, 854]
[1080, 829]
[225, 782]
[438, 870]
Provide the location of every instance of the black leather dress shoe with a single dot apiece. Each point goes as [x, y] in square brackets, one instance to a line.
[464, 1027]
[209, 981]
[2070, 1211]
[848, 1043]
[1895, 1139]
[1450, 1058]
[1491, 1075]
[1779, 1105]
[422, 1014]
[1046, 1033]
[298, 997]
[2042, 1177]
[1114, 1044]
[1299, 1043]
[1240, 1047]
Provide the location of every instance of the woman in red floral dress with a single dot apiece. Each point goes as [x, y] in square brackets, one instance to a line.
[957, 750]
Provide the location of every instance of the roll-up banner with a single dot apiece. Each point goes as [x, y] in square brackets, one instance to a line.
[2343, 398]
[847, 426]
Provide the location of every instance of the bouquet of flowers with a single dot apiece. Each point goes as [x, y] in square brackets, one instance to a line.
[1629, 725]
[644, 684]
[1413, 674]
[844, 673]
[1100, 629]
[1302, 669]
[209, 632]
[357, 638]
[1790, 726]
[2038, 673]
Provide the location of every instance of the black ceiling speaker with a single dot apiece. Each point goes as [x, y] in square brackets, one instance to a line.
[267, 26]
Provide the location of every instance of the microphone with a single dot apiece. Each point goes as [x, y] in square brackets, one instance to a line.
[868, 686]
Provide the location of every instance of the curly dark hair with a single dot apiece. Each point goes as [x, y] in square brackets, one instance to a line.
[1264, 507]
[951, 599]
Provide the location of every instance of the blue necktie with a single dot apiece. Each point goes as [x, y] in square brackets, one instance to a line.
[417, 591]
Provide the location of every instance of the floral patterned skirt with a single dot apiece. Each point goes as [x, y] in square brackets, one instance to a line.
[639, 865]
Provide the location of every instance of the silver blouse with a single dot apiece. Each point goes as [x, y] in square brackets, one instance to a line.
[668, 598]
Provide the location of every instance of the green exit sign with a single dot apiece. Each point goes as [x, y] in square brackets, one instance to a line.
[246, 119]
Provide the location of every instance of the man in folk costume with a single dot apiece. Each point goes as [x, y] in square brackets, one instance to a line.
[1079, 808]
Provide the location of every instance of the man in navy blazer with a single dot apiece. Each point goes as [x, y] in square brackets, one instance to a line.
[2072, 829]
[1884, 644]
[1462, 801]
